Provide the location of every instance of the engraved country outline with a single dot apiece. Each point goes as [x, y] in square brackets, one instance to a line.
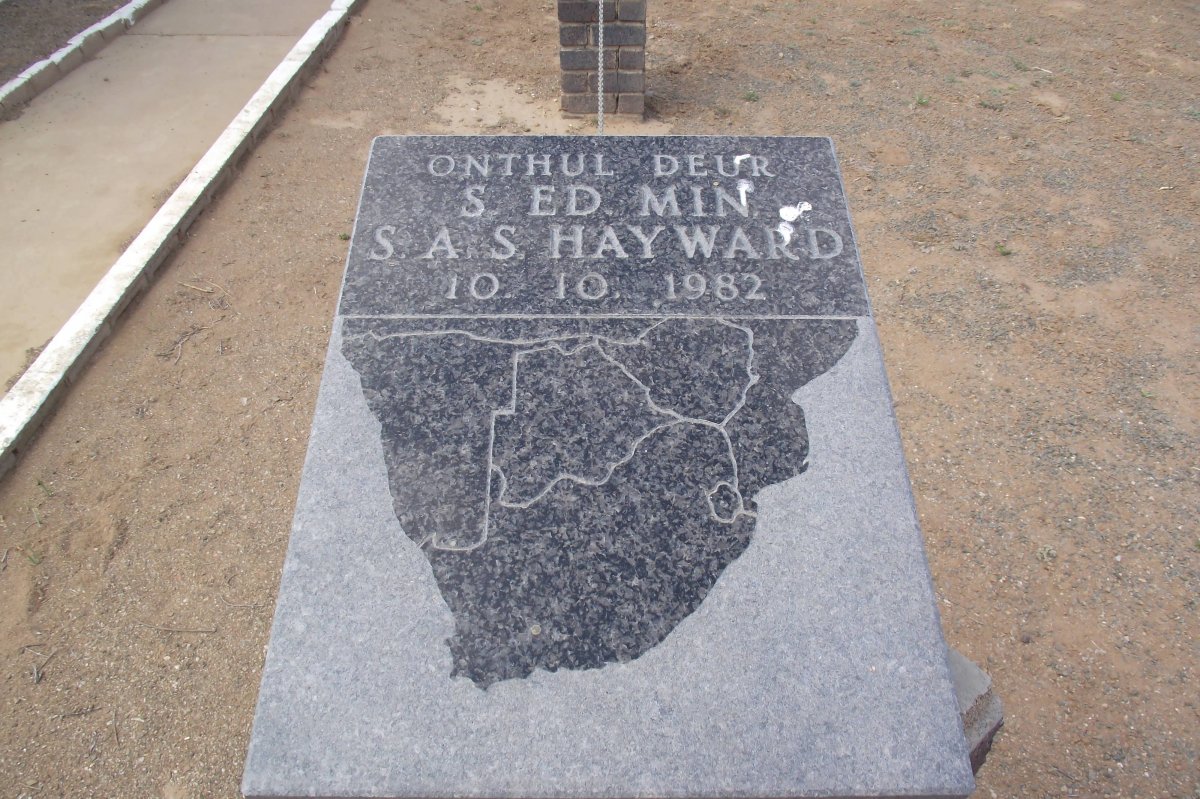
[594, 340]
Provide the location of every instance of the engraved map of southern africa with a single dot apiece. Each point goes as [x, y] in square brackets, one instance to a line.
[578, 485]
[582, 355]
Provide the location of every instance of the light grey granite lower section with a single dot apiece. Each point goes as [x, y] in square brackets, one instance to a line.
[814, 667]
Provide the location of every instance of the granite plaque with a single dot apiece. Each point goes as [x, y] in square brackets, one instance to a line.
[604, 495]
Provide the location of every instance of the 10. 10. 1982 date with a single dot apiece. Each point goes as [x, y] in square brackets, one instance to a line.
[593, 286]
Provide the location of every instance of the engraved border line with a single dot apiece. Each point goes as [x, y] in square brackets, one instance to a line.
[654, 406]
[721, 426]
[540, 344]
[547, 341]
[555, 343]
[612, 466]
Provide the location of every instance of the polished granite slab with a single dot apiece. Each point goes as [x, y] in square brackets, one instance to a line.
[604, 494]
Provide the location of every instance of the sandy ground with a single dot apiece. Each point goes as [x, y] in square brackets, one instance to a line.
[30, 30]
[1023, 178]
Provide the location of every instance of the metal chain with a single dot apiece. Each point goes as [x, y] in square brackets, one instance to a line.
[600, 69]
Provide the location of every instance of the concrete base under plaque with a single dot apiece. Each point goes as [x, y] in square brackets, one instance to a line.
[648, 548]
[982, 711]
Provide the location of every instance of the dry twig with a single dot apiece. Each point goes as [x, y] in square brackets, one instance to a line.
[176, 349]
[81, 712]
[39, 670]
[203, 289]
[175, 629]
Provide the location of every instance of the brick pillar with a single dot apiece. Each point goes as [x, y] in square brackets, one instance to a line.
[624, 56]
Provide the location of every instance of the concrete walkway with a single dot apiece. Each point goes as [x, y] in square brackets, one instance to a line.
[86, 165]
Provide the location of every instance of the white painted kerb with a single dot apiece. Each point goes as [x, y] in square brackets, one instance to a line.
[25, 406]
[79, 48]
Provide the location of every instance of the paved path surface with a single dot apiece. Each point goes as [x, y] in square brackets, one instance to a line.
[88, 162]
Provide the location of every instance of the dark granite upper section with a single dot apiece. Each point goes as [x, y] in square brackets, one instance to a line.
[603, 225]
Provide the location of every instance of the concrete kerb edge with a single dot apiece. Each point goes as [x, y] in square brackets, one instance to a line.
[79, 48]
[31, 399]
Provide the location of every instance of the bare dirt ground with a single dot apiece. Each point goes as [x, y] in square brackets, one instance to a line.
[1023, 178]
[30, 30]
